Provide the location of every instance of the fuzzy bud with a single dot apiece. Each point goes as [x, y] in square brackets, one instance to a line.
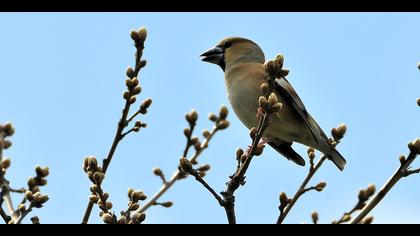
[134, 35]
[130, 73]
[157, 171]
[315, 217]
[139, 217]
[98, 177]
[134, 207]
[5, 163]
[31, 182]
[339, 132]
[370, 190]
[223, 125]
[270, 67]
[212, 117]
[414, 146]
[167, 204]
[93, 199]
[363, 196]
[7, 144]
[311, 155]
[108, 205]
[368, 220]
[206, 133]
[8, 129]
[138, 196]
[132, 100]
[185, 164]
[41, 199]
[204, 168]
[223, 112]
[92, 162]
[135, 81]
[280, 59]
[264, 88]
[29, 195]
[284, 200]
[144, 106]
[319, 187]
[130, 192]
[402, 159]
[143, 63]
[187, 132]
[137, 90]
[191, 117]
[107, 218]
[262, 102]
[272, 99]
[142, 32]
[126, 95]
[276, 107]
[253, 132]
[22, 207]
[346, 218]
[42, 172]
[239, 153]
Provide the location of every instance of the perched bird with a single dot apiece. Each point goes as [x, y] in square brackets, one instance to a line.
[242, 60]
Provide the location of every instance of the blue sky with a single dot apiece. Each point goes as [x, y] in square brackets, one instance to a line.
[62, 77]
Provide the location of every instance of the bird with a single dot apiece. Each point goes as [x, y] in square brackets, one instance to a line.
[242, 62]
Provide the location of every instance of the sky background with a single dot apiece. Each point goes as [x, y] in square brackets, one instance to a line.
[62, 77]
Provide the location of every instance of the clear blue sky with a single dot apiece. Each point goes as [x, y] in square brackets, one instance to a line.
[62, 77]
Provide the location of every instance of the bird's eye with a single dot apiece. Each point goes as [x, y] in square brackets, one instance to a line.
[228, 44]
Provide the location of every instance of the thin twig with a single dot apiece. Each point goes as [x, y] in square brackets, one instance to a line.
[3, 214]
[24, 214]
[177, 174]
[301, 190]
[238, 177]
[197, 176]
[119, 133]
[5, 185]
[398, 175]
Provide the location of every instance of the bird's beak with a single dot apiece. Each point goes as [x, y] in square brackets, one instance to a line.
[213, 55]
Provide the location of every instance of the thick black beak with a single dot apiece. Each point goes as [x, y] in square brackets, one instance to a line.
[213, 55]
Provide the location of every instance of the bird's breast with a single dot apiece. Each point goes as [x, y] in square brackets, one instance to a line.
[244, 90]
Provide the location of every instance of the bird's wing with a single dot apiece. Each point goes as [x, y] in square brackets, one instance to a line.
[286, 91]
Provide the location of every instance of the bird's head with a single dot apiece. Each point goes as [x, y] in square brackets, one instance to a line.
[233, 50]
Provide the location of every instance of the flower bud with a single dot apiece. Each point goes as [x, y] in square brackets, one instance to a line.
[223, 125]
[223, 112]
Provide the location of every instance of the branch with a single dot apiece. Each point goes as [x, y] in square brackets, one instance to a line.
[187, 167]
[398, 175]
[286, 204]
[364, 196]
[302, 189]
[178, 174]
[268, 105]
[133, 89]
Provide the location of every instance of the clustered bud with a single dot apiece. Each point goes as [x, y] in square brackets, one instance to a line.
[339, 132]
[275, 67]
[315, 217]
[319, 187]
[414, 146]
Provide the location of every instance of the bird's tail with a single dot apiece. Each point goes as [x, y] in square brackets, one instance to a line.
[337, 158]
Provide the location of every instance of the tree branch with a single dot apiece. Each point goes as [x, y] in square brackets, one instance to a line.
[398, 175]
[129, 97]
[300, 191]
[178, 174]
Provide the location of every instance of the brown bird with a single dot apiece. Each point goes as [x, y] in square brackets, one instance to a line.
[242, 60]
